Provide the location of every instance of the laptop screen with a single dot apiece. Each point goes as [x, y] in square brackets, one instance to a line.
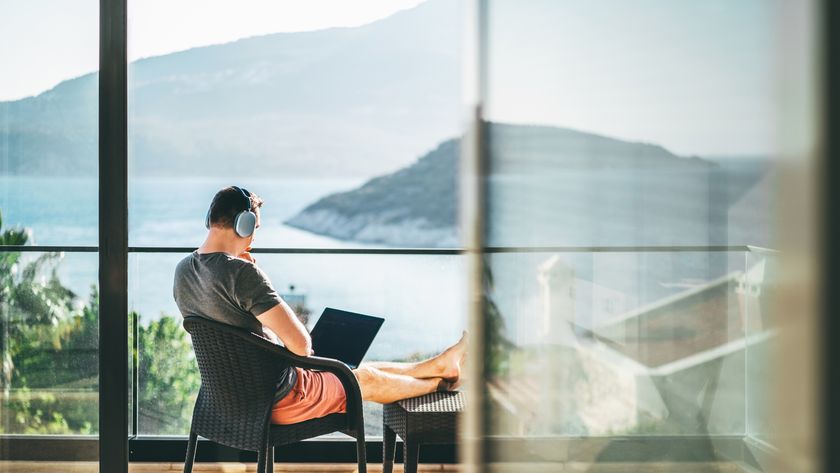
[345, 336]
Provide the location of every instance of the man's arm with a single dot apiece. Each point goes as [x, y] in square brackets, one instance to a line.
[281, 319]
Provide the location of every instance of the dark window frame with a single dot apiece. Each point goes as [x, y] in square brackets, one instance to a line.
[113, 236]
[688, 449]
[829, 168]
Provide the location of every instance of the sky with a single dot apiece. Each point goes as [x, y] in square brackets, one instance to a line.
[698, 77]
[43, 42]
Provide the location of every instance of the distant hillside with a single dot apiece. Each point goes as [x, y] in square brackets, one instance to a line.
[342, 101]
[415, 206]
[550, 186]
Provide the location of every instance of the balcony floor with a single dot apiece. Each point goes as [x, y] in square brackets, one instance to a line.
[578, 467]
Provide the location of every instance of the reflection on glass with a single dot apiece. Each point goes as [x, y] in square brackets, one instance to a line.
[633, 133]
[555, 186]
[760, 289]
[607, 123]
[420, 297]
[581, 348]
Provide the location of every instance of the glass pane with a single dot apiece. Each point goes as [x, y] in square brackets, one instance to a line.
[624, 343]
[617, 125]
[645, 151]
[49, 303]
[48, 121]
[49, 340]
[420, 297]
[53, 210]
[285, 104]
[759, 291]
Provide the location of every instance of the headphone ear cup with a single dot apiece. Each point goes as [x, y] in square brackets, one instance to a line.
[245, 224]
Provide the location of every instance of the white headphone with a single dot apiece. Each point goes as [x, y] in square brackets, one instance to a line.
[245, 221]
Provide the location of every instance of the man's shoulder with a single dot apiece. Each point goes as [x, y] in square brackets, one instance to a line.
[184, 261]
[250, 271]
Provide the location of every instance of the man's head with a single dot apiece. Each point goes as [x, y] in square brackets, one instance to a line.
[227, 204]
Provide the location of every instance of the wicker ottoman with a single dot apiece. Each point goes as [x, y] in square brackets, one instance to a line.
[432, 418]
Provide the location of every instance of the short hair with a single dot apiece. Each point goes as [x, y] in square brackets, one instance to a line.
[227, 203]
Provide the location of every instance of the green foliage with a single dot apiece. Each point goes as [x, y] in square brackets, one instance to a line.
[7, 260]
[31, 297]
[498, 348]
[45, 412]
[50, 355]
[60, 353]
[169, 378]
[54, 382]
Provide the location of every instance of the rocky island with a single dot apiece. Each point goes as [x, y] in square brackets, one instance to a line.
[605, 191]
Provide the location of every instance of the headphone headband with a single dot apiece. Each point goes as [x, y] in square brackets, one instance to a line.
[246, 195]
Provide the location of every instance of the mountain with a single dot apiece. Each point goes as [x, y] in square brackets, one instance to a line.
[551, 186]
[413, 207]
[342, 101]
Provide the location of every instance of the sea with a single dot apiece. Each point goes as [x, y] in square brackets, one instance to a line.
[422, 298]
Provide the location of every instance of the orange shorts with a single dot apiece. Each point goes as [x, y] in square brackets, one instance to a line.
[315, 394]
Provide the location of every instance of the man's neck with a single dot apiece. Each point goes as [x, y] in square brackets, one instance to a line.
[220, 241]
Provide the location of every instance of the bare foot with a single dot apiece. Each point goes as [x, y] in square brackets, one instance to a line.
[451, 359]
[444, 385]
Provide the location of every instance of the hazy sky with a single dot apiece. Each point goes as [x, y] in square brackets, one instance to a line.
[43, 42]
[696, 76]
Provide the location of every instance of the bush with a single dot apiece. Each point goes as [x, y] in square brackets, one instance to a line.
[49, 370]
[169, 378]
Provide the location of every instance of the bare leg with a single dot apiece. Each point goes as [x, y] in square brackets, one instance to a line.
[421, 369]
[445, 365]
[384, 387]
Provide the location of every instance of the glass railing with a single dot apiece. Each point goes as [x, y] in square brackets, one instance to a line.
[600, 355]
[760, 286]
[420, 293]
[49, 343]
[585, 345]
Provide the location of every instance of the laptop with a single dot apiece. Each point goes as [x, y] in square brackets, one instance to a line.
[343, 335]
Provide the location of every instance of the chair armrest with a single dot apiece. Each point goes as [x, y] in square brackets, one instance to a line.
[339, 368]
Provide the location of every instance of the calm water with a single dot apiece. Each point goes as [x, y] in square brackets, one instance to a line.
[421, 297]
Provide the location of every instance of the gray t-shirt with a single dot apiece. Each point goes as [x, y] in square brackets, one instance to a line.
[220, 287]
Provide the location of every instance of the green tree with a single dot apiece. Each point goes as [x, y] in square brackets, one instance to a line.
[50, 354]
[169, 378]
[497, 347]
[45, 343]
[55, 378]
[31, 296]
[8, 262]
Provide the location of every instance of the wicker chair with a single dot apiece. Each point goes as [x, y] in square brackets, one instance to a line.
[239, 372]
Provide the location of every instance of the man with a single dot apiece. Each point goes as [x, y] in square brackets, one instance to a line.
[221, 281]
